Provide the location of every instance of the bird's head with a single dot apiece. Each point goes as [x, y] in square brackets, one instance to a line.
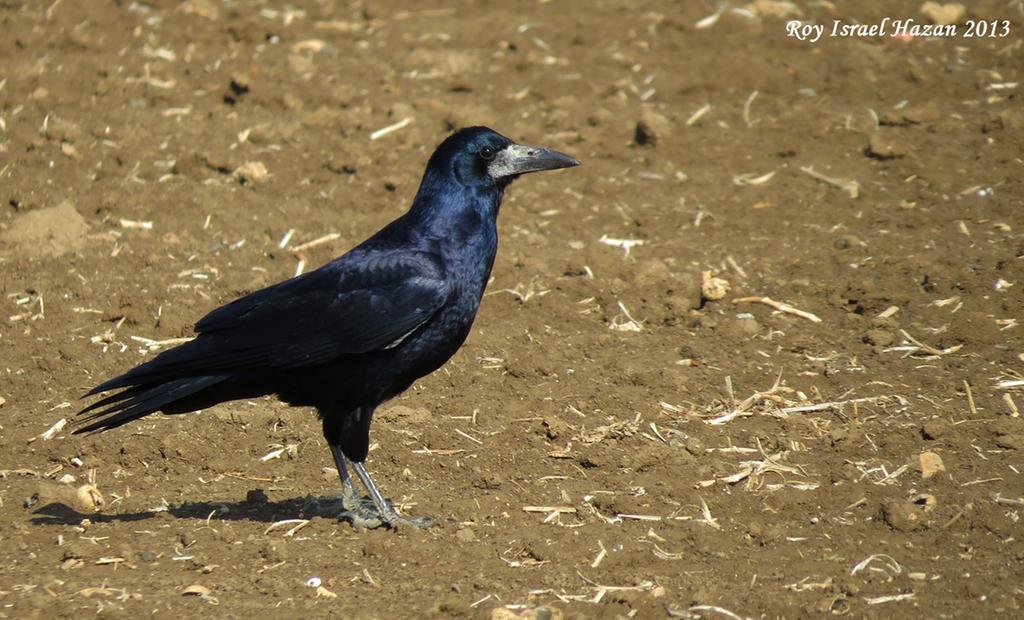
[482, 157]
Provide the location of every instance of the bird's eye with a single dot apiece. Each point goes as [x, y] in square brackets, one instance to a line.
[486, 153]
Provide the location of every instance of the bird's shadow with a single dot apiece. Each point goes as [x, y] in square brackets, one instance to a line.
[255, 507]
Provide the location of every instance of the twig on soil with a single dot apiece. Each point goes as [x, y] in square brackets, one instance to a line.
[153, 345]
[600, 555]
[699, 217]
[941, 303]
[553, 512]
[667, 555]
[878, 474]
[638, 517]
[890, 598]
[22, 471]
[836, 404]
[1011, 405]
[706, 513]
[888, 312]
[899, 471]
[57, 427]
[243, 476]
[625, 244]
[562, 509]
[756, 469]
[780, 306]
[752, 178]
[602, 590]
[889, 564]
[626, 428]
[628, 325]
[849, 186]
[917, 346]
[297, 524]
[1008, 501]
[136, 224]
[746, 109]
[806, 584]
[290, 449]
[743, 408]
[981, 481]
[299, 250]
[27, 301]
[524, 292]
[970, 399]
[286, 238]
[858, 503]
[302, 247]
[735, 266]
[433, 452]
[469, 437]
[711, 20]
[527, 560]
[598, 596]
[657, 433]
[733, 450]
[383, 131]
[699, 114]
[718, 610]
[953, 519]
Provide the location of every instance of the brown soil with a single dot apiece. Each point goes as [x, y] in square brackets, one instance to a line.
[593, 374]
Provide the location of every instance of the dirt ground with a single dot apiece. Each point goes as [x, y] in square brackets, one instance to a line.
[611, 441]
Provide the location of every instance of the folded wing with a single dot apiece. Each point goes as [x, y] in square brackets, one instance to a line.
[357, 304]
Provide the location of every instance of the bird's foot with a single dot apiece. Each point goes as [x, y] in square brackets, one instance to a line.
[364, 514]
[374, 510]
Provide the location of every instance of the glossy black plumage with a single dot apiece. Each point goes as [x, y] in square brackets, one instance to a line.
[359, 330]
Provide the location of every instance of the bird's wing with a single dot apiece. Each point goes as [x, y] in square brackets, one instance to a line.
[366, 303]
[357, 304]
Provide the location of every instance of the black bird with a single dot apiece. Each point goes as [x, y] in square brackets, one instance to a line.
[357, 331]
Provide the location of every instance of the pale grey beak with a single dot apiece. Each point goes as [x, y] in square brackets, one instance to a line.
[516, 159]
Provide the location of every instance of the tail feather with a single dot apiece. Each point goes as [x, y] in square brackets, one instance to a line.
[142, 400]
[131, 379]
[113, 398]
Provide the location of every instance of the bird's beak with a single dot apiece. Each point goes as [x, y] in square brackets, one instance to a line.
[516, 159]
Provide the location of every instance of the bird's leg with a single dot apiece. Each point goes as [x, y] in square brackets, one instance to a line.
[385, 509]
[371, 512]
[362, 513]
[349, 497]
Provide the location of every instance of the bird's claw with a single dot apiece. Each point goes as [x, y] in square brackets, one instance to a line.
[361, 520]
[363, 514]
[422, 522]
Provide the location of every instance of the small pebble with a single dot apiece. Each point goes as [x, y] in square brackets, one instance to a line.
[712, 288]
[902, 515]
[89, 497]
[251, 172]
[931, 464]
[196, 590]
[944, 14]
